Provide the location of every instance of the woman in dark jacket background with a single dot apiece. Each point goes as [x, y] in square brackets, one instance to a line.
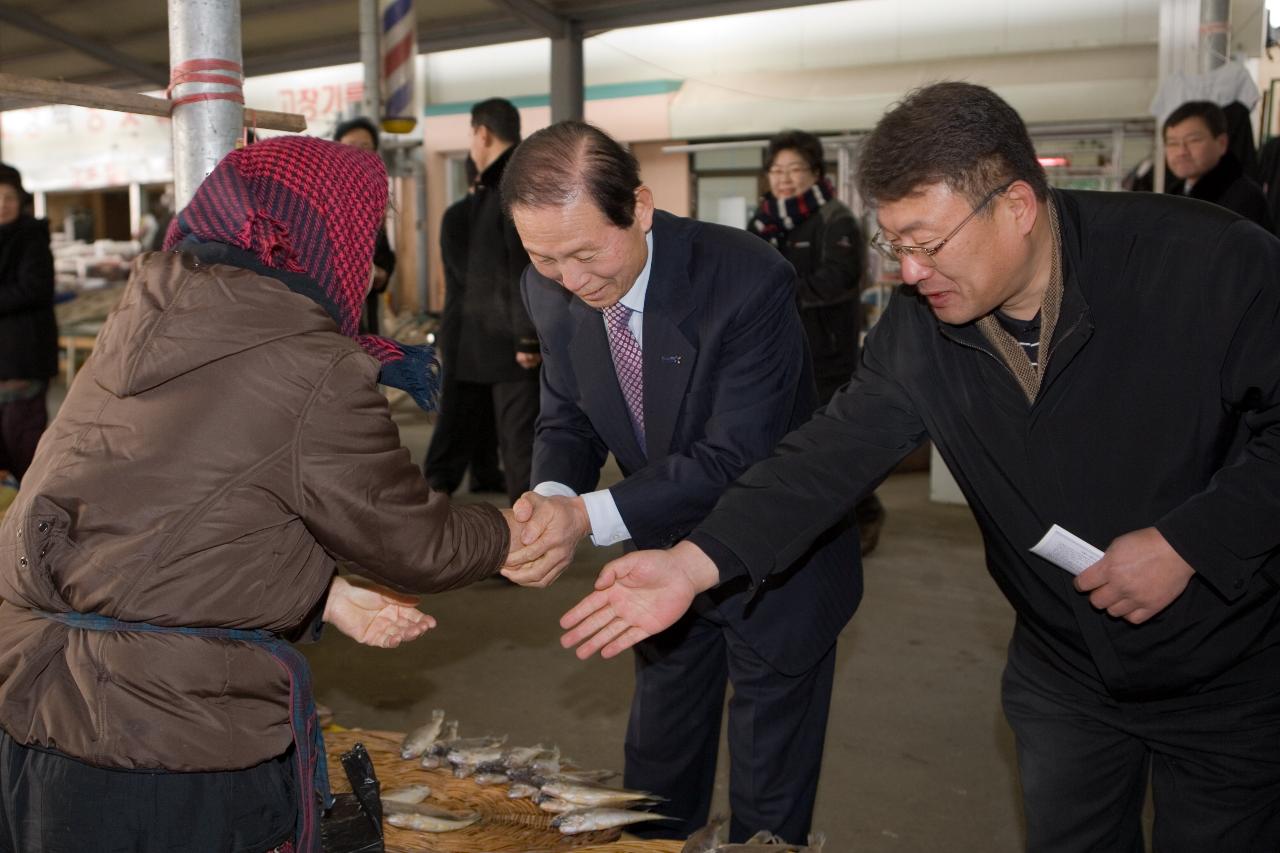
[28, 330]
[818, 233]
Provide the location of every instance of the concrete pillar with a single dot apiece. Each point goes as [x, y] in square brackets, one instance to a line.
[204, 131]
[1215, 33]
[566, 73]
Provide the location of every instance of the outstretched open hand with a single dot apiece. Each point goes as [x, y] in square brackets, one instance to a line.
[637, 596]
[374, 615]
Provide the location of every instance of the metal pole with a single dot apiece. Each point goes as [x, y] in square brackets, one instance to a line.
[203, 131]
[369, 57]
[1215, 33]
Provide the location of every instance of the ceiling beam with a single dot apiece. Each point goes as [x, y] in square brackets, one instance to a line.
[645, 12]
[153, 74]
[535, 14]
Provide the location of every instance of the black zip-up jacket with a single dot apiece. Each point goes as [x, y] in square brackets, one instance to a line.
[1160, 407]
[28, 329]
[1226, 185]
[492, 323]
[826, 250]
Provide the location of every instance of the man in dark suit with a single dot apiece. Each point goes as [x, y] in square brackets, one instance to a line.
[676, 345]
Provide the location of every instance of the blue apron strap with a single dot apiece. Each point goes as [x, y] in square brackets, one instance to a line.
[310, 761]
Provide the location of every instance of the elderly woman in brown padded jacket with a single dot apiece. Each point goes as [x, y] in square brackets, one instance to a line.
[225, 445]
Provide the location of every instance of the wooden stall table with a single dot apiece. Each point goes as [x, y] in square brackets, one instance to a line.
[506, 825]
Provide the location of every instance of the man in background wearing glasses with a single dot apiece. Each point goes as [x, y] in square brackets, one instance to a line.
[1103, 362]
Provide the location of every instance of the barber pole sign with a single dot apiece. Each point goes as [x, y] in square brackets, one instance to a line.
[398, 45]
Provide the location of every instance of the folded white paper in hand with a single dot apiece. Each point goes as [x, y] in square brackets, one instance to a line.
[1066, 550]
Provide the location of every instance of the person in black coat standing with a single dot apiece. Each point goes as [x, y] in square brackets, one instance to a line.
[1196, 147]
[465, 435]
[802, 218]
[497, 346]
[28, 328]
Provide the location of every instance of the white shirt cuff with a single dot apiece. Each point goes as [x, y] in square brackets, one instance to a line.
[607, 526]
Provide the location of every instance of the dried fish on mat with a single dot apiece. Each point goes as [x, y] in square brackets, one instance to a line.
[417, 741]
[407, 794]
[707, 839]
[594, 795]
[426, 818]
[587, 820]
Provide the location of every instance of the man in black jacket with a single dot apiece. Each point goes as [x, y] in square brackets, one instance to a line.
[28, 327]
[1103, 362]
[496, 345]
[1197, 148]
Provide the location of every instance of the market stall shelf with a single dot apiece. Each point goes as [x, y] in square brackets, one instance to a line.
[506, 825]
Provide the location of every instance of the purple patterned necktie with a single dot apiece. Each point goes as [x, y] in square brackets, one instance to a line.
[628, 363]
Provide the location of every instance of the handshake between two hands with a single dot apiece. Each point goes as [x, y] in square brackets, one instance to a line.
[635, 596]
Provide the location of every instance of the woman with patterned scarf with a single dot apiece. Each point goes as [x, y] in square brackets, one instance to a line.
[225, 446]
[803, 219]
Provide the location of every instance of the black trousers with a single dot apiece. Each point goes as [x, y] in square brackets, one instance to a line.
[22, 422]
[777, 725]
[51, 803]
[466, 436]
[515, 408]
[1213, 759]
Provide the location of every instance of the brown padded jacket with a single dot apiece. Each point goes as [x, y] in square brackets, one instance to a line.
[224, 446]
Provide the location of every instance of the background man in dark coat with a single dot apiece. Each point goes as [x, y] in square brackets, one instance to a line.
[1197, 148]
[1106, 362]
[466, 434]
[28, 328]
[677, 346]
[497, 346]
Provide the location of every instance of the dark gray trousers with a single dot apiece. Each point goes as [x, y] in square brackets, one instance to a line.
[777, 726]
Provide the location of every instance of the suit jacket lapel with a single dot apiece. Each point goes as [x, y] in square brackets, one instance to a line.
[598, 385]
[668, 354]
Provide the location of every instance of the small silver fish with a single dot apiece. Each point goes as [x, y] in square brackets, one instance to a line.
[490, 779]
[764, 836]
[707, 839]
[588, 820]
[593, 795]
[462, 771]
[523, 756]
[408, 794]
[593, 777]
[554, 806]
[432, 762]
[416, 742]
[425, 818]
[521, 791]
[475, 756]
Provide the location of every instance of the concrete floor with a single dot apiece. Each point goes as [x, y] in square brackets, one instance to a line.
[918, 755]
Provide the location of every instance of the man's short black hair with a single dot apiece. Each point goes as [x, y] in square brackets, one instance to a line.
[357, 123]
[958, 134]
[500, 117]
[1214, 118]
[805, 144]
[570, 160]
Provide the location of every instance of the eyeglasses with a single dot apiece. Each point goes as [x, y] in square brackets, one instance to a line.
[790, 171]
[924, 254]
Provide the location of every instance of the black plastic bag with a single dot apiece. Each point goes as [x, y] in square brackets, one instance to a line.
[354, 824]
